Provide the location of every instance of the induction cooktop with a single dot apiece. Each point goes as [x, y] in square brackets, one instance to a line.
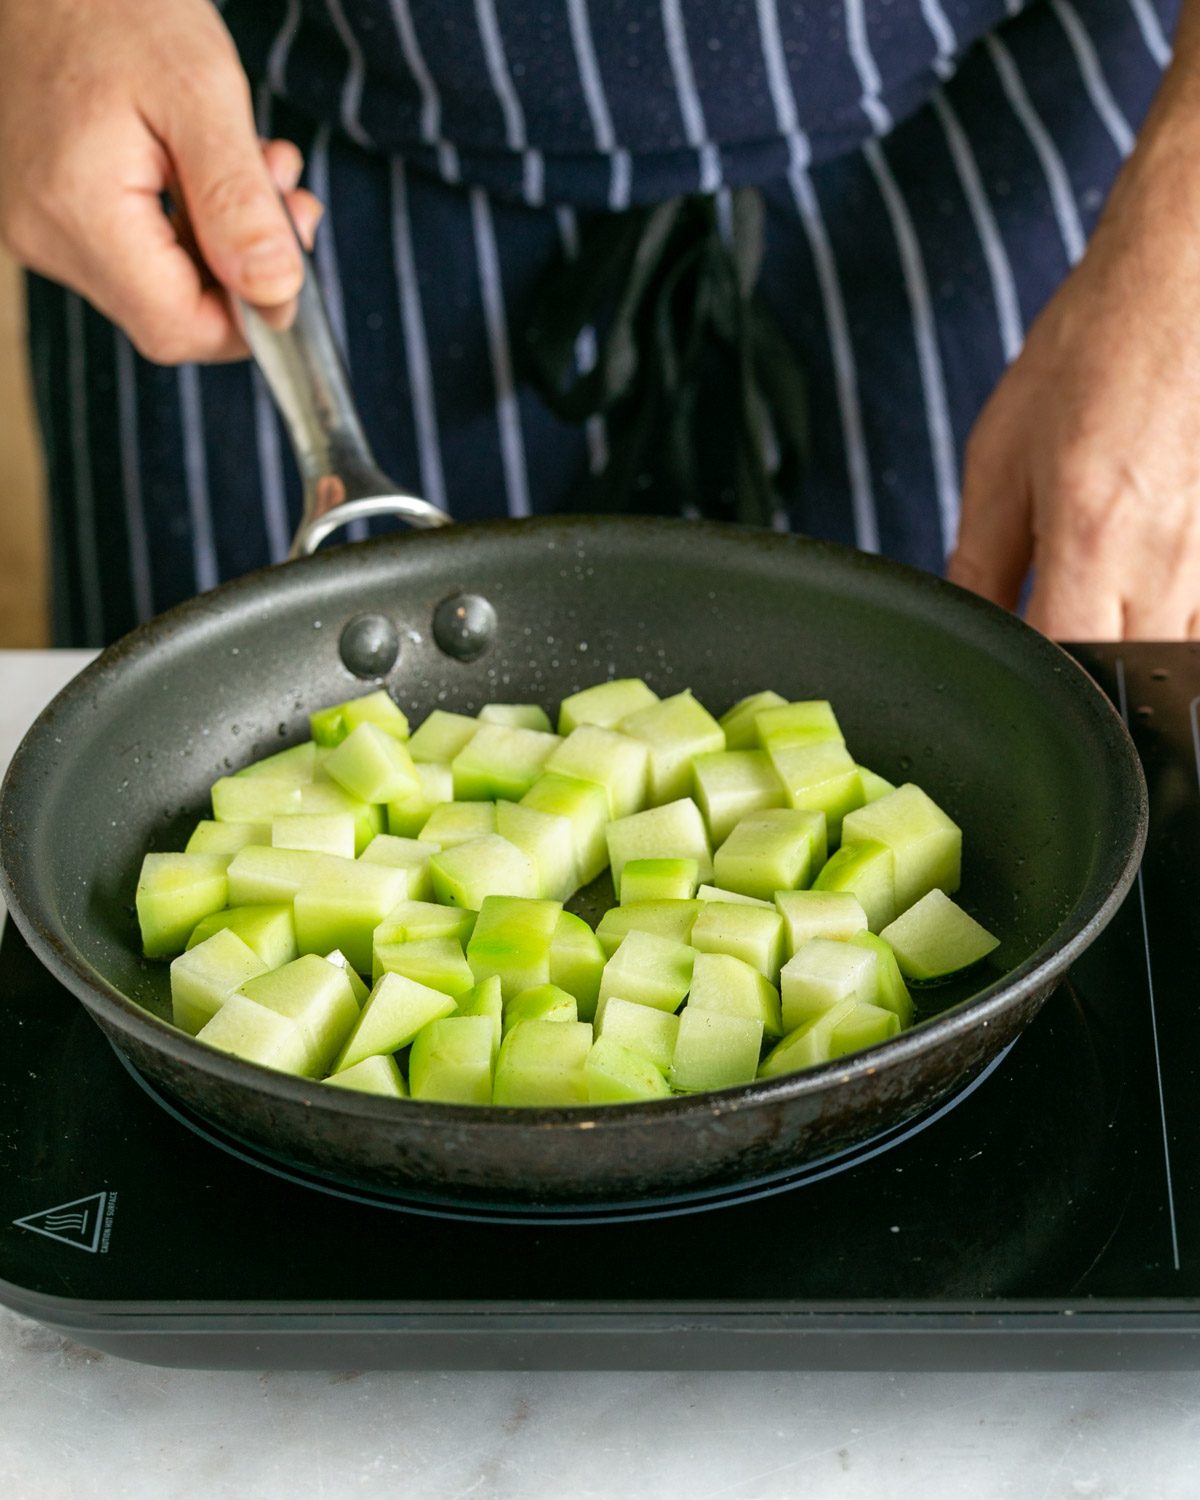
[1046, 1216]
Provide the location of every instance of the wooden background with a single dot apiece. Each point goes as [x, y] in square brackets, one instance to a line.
[22, 540]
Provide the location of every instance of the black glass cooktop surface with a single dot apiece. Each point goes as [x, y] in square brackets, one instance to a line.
[1048, 1216]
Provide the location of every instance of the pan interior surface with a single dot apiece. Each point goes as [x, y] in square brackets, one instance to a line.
[996, 724]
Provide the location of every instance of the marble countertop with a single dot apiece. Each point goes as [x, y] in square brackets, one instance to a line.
[76, 1424]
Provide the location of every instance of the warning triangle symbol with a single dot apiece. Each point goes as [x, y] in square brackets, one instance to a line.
[77, 1223]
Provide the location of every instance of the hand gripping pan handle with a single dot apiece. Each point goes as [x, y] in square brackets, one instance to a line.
[305, 374]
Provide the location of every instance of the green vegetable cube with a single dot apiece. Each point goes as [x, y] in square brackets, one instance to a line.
[738, 722]
[874, 785]
[675, 830]
[610, 760]
[516, 716]
[676, 729]
[316, 995]
[865, 1026]
[267, 930]
[714, 1050]
[820, 777]
[442, 736]
[326, 833]
[926, 844]
[204, 977]
[649, 970]
[809, 723]
[253, 799]
[329, 798]
[546, 1002]
[410, 814]
[486, 999]
[731, 784]
[330, 726]
[395, 1011]
[439, 963]
[411, 921]
[451, 1061]
[297, 764]
[499, 761]
[210, 837]
[890, 990]
[722, 983]
[257, 1035]
[751, 933]
[543, 1064]
[341, 904]
[549, 840]
[374, 1075]
[357, 987]
[618, 1075]
[770, 851]
[606, 704]
[417, 922]
[585, 807]
[469, 873]
[867, 870]
[373, 765]
[668, 919]
[813, 914]
[659, 880]
[512, 939]
[270, 876]
[822, 974]
[174, 892]
[577, 962]
[807, 1045]
[410, 855]
[715, 893]
[935, 937]
[650, 1033]
[454, 823]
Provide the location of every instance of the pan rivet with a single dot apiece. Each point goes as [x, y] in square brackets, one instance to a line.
[464, 625]
[369, 645]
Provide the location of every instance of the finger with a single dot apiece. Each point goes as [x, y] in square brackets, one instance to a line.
[285, 163]
[1151, 619]
[995, 534]
[1073, 603]
[307, 212]
[231, 199]
[168, 309]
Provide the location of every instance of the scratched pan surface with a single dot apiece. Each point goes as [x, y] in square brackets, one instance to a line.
[929, 683]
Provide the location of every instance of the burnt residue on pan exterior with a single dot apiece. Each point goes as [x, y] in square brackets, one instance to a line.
[930, 683]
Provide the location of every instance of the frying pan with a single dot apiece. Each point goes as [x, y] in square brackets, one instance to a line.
[930, 684]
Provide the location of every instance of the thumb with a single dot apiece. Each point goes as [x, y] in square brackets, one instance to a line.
[995, 541]
[240, 225]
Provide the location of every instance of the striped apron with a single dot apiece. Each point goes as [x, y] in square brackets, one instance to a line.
[931, 169]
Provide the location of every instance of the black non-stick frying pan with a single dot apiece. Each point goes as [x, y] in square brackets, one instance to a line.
[930, 684]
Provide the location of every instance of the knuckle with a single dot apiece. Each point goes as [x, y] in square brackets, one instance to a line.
[162, 343]
[213, 76]
[235, 197]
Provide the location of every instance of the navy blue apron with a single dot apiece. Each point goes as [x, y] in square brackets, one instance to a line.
[931, 169]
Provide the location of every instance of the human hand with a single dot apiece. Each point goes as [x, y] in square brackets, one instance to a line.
[110, 106]
[1085, 463]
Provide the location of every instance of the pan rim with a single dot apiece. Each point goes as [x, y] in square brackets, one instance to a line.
[1036, 975]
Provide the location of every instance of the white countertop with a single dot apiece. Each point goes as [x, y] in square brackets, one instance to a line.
[76, 1425]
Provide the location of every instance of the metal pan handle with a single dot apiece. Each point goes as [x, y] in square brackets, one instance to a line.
[304, 371]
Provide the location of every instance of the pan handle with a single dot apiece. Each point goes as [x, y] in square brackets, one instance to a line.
[306, 376]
